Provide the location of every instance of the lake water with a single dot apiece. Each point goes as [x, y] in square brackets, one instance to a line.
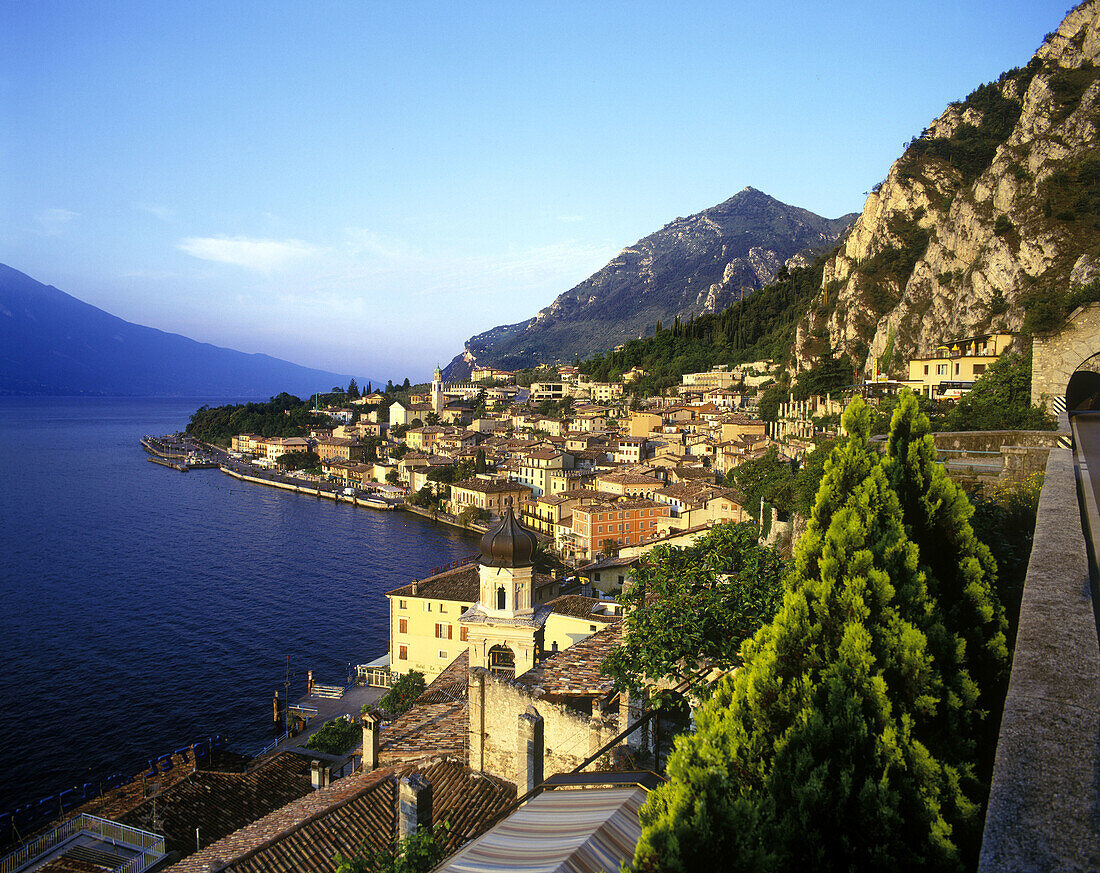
[144, 609]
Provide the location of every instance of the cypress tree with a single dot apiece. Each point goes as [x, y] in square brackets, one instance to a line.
[962, 575]
[811, 755]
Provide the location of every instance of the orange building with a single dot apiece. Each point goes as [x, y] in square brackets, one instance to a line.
[624, 522]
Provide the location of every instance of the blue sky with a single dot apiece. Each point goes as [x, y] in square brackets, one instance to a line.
[362, 186]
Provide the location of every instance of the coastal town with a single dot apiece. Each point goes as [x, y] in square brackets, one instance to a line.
[768, 545]
[514, 718]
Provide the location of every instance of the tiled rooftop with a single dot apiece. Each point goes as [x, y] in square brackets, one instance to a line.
[579, 606]
[436, 724]
[356, 812]
[575, 672]
[217, 802]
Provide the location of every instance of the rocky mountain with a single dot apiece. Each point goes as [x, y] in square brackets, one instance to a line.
[992, 211]
[52, 343]
[692, 265]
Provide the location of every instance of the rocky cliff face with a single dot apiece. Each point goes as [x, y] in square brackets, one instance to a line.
[698, 264]
[996, 204]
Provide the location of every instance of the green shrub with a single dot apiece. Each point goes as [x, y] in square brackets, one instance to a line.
[403, 693]
[833, 747]
[335, 737]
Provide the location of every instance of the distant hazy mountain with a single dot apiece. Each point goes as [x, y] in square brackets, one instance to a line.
[52, 343]
[692, 265]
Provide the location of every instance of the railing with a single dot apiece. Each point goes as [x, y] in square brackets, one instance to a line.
[963, 458]
[150, 845]
[378, 677]
[332, 691]
[284, 735]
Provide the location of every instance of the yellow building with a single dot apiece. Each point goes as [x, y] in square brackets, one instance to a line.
[245, 443]
[644, 423]
[495, 605]
[960, 361]
[340, 449]
[491, 494]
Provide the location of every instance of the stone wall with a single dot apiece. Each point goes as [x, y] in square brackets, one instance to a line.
[1045, 794]
[1018, 453]
[1055, 356]
[496, 705]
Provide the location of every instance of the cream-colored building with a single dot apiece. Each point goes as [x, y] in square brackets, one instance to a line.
[495, 605]
[960, 361]
[491, 494]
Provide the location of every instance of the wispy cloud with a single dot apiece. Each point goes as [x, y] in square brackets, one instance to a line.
[52, 222]
[164, 213]
[374, 262]
[262, 255]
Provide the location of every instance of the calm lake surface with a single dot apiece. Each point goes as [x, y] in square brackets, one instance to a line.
[144, 609]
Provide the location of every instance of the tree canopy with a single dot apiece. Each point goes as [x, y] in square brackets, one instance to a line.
[282, 416]
[824, 750]
[692, 607]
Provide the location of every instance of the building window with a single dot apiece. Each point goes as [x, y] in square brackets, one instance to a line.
[442, 653]
[979, 369]
[591, 627]
[402, 653]
[463, 634]
[442, 607]
[427, 606]
[941, 369]
[442, 631]
[500, 597]
[956, 369]
[402, 625]
[402, 604]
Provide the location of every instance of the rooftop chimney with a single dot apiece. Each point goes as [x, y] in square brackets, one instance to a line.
[371, 725]
[414, 805]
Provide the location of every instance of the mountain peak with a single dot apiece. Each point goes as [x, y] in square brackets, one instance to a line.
[694, 264]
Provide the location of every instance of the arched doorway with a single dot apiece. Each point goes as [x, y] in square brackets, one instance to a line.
[1083, 390]
[1056, 357]
[502, 661]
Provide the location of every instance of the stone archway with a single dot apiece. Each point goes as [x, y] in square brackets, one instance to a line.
[1055, 357]
[1083, 390]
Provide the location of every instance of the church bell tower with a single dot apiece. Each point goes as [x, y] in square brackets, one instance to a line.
[505, 629]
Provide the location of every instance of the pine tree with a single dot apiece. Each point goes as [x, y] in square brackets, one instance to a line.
[810, 757]
[961, 574]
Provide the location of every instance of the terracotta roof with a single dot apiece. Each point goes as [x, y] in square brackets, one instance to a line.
[450, 684]
[693, 473]
[436, 724]
[627, 479]
[356, 812]
[579, 606]
[543, 455]
[622, 504]
[462, 584]
[575, 672]
[217, 802]
[490, 486]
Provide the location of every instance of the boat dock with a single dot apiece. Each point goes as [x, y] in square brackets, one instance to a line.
[337, 495]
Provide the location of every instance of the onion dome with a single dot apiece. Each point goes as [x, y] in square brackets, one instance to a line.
[509, 544]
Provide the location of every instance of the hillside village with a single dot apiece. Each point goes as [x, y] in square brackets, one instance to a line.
[571, 482]
[858, 732]
[594, 469]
